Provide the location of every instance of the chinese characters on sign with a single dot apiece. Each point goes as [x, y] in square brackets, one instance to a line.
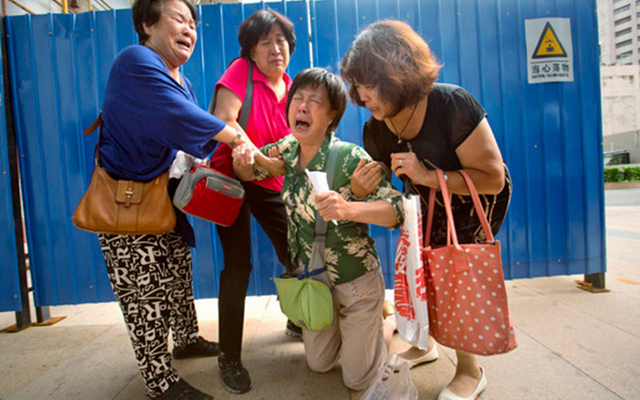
[549, 50]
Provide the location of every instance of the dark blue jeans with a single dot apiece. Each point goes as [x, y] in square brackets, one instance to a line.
[268, 209]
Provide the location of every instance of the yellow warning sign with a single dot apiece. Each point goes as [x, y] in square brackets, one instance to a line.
[549, 45]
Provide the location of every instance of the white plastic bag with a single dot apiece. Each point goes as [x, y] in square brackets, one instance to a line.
[392, 386]
[410, 289]
[183, 163]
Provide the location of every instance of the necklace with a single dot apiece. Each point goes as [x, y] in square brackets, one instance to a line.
[399, 133]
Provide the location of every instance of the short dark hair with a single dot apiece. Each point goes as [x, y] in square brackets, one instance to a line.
[393, 57]
[148, 12]
[258, 25]
[337, 92]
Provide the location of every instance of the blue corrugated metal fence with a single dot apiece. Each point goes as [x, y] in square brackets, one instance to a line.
[9, 284]
[549, 134]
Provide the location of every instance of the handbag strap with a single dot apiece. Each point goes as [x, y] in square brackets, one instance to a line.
[316, 263]
[97, 123]
[478, 206]
[243, 120]
[452, 236]
[321, 224]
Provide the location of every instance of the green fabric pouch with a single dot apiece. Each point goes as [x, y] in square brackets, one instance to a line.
[306, 302]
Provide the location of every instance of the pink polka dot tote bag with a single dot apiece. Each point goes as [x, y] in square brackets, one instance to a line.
[468, 306]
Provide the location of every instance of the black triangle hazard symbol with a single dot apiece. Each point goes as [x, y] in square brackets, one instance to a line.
[549, 45]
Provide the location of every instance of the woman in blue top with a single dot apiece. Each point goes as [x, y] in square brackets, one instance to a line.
[149, 113]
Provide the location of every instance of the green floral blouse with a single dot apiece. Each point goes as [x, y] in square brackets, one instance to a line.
[350, 251]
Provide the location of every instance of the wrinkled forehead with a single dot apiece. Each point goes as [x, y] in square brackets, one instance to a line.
[312, 89]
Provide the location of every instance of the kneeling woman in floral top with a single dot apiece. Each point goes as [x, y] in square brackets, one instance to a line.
[359, 337]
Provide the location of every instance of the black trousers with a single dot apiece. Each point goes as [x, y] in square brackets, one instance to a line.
[268, 209]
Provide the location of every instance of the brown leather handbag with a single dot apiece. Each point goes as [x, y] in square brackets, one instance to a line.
[122, 207]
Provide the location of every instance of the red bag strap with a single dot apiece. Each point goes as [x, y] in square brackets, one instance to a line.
[478, 206]
[446, 196]
[432, 202]
[452, 236]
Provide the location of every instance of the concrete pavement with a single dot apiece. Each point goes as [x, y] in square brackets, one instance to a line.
[573, 344]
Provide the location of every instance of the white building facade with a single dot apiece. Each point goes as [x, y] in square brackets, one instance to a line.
[619, 31]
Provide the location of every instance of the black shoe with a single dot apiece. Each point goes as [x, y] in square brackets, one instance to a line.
[235, 378]
[199, 348]
[293, 330]
[181, 390]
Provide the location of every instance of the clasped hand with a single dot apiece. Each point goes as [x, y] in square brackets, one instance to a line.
[332, 206]
[246, 155]
[407, 164]
[365, 178]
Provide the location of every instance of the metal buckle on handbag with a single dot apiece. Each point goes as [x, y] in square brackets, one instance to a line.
[129, 192]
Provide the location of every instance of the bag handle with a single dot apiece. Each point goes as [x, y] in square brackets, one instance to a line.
[316, 263]
[97, 123]
[447, 205]
[321, 224]
[478, 206]
[452, 236]
[245, 110]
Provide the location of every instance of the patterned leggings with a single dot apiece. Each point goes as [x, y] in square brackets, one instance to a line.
[151, 277]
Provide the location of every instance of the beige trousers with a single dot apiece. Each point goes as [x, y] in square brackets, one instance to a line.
[355, 338]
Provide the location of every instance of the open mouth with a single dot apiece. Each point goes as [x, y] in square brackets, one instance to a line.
[302, 125]
[184, 43]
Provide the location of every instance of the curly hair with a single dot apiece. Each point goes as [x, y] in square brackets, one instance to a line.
[394, 58]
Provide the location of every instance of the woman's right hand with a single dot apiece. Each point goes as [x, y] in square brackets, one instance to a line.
[407, 164]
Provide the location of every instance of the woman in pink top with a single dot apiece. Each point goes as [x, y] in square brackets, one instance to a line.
[267, 40]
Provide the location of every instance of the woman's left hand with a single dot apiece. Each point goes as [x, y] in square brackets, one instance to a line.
[332, 206]
[365, 178]
[407, 164]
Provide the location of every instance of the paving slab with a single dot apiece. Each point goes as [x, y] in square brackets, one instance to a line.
[28, 354]
[618, 307]
[534, 372]
[97, 369]
[605, 353]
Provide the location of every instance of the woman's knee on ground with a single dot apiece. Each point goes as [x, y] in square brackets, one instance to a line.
[321, 363]
[361, 382]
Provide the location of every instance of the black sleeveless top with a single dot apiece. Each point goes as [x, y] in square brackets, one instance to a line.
[452, 115]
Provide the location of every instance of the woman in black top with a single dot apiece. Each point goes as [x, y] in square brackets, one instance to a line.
[417, 126]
